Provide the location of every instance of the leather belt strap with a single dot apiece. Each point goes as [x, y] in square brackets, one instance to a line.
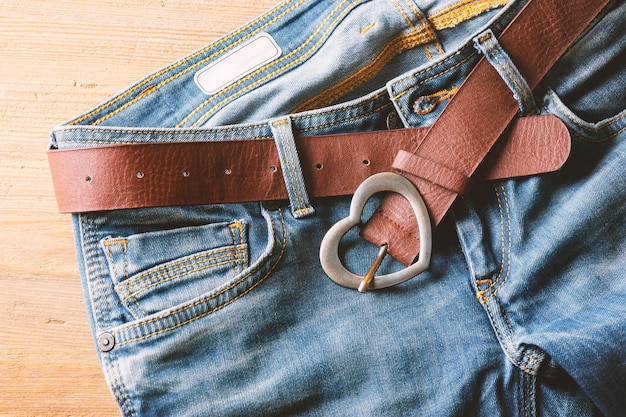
[173, 174]
[476, 117]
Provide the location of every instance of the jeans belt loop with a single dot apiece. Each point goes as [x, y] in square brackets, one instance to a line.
[291, 167]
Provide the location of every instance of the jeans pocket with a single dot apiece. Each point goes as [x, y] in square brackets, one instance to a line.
[156, 270]
[586, 87]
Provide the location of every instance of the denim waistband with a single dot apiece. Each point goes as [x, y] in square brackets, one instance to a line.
[353, 66]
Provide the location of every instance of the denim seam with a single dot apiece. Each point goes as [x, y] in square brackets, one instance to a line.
[506, 253]
[280, 70]
[94, 289]
[532, 400]
[490, 300]
[178, 132]
[509, 239]
[412, 26]
[298, 118]
[532, 356]
[612, 136]
[237, 224]
[206, 299]
[96, 275]
[522, 394]
[459, 12]
[237, 241]
[332, 111]
[407, 19]
[439, 64]
[567, 112]
[429, 27]
[133, 305]
[393, 48]
[528, 394]
[131, 302]
[190, 58]
[404, 115]
[339, 109]
[136, 287]
[181, 271]
[509, 347]
[117, 241]
[160, 270]
[102, 276]
[155, 131]
[351, 119]
[367, 28]
[117, 385]
[564, 111]
[182, 131]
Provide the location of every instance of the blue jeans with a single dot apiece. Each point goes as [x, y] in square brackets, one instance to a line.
[224, 309]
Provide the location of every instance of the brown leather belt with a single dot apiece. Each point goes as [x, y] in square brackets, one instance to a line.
[171, 174]
[440, 161]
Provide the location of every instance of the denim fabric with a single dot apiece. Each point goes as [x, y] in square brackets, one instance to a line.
[224, 309]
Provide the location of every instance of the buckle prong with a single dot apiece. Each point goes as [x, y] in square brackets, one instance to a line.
[369, 276]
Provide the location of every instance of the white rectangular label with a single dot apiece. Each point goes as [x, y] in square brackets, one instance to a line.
[238, 63]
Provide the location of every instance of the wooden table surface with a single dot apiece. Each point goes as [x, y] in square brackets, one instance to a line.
[59, 58]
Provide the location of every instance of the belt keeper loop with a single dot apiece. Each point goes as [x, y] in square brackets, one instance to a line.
[291, 168]
[432, 172]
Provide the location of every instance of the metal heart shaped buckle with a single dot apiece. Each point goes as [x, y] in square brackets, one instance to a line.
[329, 249]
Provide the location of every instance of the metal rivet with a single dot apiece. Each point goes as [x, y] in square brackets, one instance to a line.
[393, 121]
[425, 105]
[106, 342]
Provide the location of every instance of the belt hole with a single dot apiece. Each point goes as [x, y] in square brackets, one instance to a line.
[185, 173]
[228, 171]
[139, 174]
[88, 179]
[272, 168]
[319, 166]
[366, 162]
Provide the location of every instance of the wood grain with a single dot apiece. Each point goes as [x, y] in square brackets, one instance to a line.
[58, 59]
